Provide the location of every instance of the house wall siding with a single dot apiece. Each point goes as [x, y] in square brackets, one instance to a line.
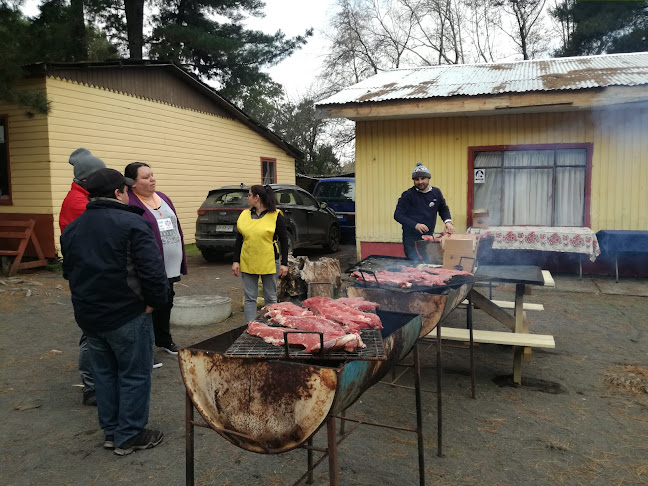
[387, 151]
[28, 158]
[189, 151]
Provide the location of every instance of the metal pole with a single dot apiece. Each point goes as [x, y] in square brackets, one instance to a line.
[472, 346]
[189, 441]
[419, 415]
[310, 461]
[439, 408]
[334, 477]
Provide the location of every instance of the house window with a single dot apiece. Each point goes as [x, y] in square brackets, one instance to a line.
[538, 186]
[5, 174]
[269, 171]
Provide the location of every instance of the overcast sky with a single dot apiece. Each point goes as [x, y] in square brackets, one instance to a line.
[293, 17]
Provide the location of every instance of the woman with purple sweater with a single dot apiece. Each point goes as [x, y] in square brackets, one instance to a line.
[161, 214]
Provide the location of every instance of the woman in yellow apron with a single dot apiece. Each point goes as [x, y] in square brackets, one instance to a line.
[256, 253]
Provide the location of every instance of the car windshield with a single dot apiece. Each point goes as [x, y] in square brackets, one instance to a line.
[335, 191]
[230, 198]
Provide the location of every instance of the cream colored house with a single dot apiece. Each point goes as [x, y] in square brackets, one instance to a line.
[582, 120]
[127, 111]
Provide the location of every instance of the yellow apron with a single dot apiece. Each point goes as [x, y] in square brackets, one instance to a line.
[258, 251]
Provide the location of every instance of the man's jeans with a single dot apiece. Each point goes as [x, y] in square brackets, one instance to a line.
[122, 365]
[85, 367]
[409, 247]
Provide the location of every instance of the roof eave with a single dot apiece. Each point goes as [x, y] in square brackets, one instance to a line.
[496, 104]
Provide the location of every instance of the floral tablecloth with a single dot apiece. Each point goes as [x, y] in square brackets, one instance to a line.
[544, 238]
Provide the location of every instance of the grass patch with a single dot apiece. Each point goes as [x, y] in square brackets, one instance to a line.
[192, 250]
[54, 265]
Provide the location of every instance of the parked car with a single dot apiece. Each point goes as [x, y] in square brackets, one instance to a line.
[339, 194]
[309, 222]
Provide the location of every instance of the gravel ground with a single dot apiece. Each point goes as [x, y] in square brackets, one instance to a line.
[580, 417]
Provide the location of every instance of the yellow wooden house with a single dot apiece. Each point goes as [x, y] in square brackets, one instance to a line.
[126, 111]
[584, 117]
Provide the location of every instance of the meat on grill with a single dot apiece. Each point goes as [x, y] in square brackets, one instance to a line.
[358, 303]
[286, 309]
[311, 342]
[352, 319]
[408, 276]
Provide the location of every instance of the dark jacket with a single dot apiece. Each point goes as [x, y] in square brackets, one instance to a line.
[420, 207]
[110, 258]
[135, 201]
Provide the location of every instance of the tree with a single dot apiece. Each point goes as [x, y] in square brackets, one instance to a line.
[601, 27]
[221, 50]
[527, 14]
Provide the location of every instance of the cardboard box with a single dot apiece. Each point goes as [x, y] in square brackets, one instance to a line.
[460, 249]
[480, 218]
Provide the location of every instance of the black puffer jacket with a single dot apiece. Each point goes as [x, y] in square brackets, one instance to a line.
[114, 265]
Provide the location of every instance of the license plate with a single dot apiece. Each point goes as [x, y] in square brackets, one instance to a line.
[225, 227]
[340, 216]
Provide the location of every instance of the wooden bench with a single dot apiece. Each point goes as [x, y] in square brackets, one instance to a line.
[23, 231]
[548, 279]
[496, 337]
[505, 304]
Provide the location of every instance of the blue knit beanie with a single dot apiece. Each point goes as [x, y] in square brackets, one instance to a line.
[421, 171]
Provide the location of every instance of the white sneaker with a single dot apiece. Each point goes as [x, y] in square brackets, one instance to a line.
[156, 363]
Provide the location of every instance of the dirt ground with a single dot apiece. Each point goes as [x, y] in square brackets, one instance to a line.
[580, 417]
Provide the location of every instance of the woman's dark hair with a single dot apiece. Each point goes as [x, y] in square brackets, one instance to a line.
[132, 168]
[267, 196]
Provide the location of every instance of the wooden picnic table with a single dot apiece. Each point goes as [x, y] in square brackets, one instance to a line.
[521, 340]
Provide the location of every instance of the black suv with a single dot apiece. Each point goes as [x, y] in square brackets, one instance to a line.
[309, 222]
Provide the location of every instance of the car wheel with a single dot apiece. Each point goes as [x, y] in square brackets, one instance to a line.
[212, 255]
[333, 242]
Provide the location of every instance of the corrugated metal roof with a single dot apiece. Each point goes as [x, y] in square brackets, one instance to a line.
[568, 73]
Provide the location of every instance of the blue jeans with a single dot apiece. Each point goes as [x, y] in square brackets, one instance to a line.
[85, 367]
[122, 366]
[409, 246]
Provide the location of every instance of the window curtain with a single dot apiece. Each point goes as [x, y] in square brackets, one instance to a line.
[527, 192]
[570, 187]
[489, 194]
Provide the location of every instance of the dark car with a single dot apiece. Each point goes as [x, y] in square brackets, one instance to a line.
[339, 194]
[309, 222]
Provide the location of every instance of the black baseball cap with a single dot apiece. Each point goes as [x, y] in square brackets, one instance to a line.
[103, 182]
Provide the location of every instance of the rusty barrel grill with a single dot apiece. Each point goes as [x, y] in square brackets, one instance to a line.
[434, 303]
[264, 401]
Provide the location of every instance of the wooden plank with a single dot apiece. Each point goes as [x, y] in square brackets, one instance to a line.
[492, 310]
[505, 304]
[8, 252]
[548, 279]
[497, 337]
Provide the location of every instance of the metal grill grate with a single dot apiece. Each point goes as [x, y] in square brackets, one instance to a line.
[248, 346]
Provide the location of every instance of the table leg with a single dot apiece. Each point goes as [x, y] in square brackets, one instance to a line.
[580, 266]
[519, 327]
[616, 267]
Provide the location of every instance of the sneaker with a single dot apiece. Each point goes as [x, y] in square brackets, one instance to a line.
[109, 442]
[146, 439]
[171, 348]
[89, 398]
[156, 363]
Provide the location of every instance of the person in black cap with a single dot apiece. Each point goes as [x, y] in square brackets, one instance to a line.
[116, 281]
[417, 210]
[73, 206]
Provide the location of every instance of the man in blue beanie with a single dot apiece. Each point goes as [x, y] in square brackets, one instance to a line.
[417, 210]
